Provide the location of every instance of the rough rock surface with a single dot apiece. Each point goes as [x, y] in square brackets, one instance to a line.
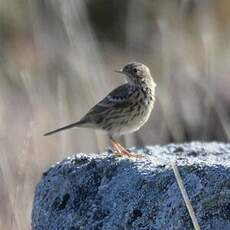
[100, 191]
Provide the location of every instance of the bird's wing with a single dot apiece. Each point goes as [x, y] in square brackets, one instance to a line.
[112, 105]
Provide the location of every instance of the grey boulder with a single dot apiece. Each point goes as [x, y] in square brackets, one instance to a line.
[100, 191]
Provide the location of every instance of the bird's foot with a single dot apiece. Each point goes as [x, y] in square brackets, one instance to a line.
[135, 155]
[122, 152]
[126, 153]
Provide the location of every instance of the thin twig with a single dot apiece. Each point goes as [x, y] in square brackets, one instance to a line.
[185, 196]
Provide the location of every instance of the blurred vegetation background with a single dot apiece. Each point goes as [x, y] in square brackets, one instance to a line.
[57, 59]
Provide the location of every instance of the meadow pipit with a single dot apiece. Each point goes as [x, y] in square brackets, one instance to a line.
[125, 109]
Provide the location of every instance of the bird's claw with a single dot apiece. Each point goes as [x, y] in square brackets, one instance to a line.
[127, 154]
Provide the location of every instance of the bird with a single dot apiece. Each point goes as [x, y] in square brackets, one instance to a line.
[124, 110]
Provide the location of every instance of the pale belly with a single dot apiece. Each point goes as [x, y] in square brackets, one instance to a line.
[134, 122]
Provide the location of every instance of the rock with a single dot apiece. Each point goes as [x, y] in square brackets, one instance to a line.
[100, 191]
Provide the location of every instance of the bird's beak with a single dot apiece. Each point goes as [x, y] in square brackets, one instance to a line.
[119, 71]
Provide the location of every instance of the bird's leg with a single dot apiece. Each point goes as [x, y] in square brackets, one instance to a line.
[120, 150]
[123, 149]
[130, 154]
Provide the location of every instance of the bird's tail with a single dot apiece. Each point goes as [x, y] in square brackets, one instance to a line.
[79, 123]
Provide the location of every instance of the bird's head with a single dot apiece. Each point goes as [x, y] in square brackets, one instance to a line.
[136, 73]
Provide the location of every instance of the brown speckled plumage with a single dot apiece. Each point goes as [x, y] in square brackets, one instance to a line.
[125, 109]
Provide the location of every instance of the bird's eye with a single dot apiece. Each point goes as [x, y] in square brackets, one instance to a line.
[135, 70]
